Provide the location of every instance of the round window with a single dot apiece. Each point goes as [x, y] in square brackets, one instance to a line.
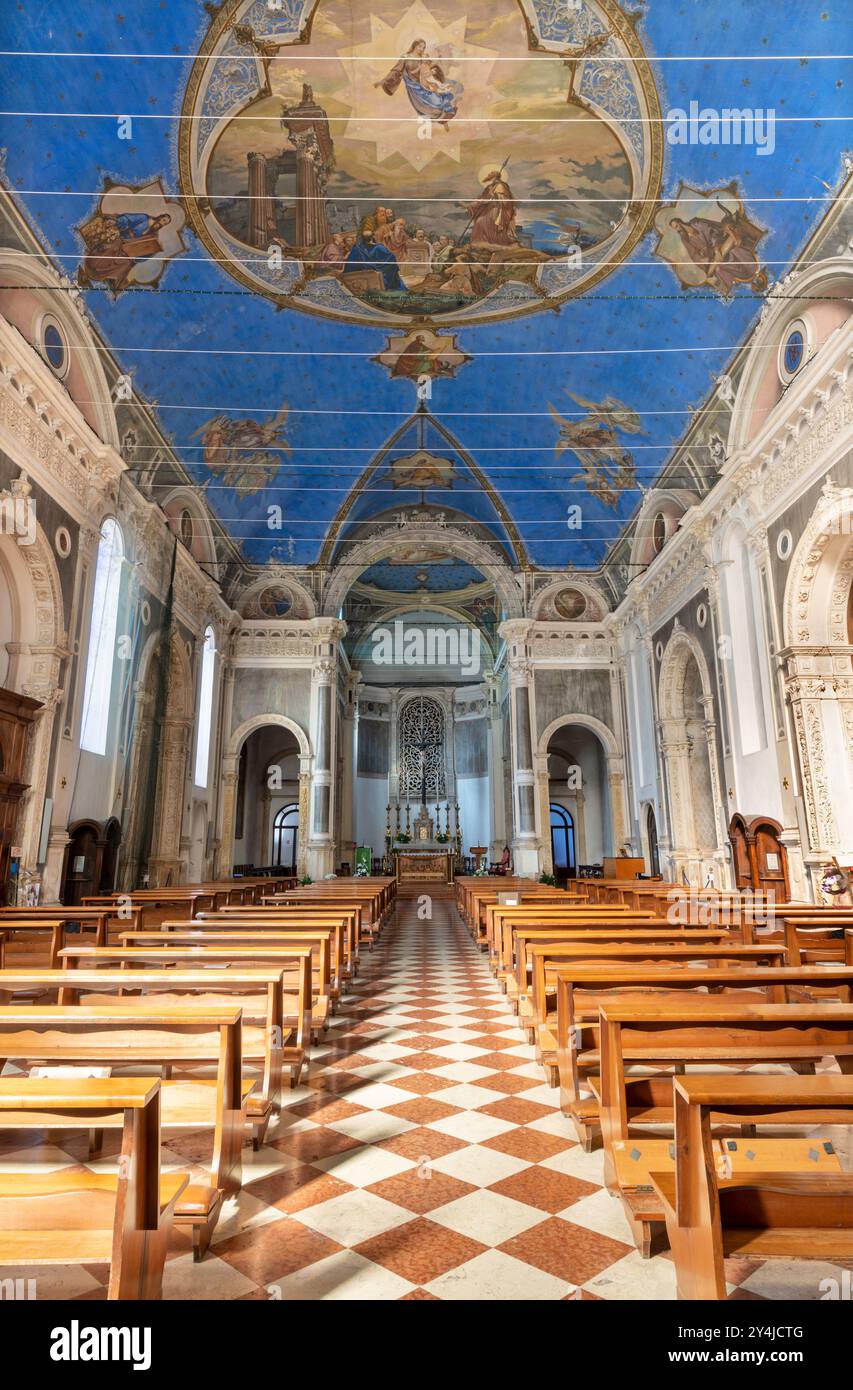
[186, 529]
[794, 350]
[53, 345]
[659, 532]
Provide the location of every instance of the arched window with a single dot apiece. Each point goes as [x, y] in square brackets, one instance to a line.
[422, 750]
[205, 709]
[285, 828]
[102, 639]
[652, 834]
[562, 838]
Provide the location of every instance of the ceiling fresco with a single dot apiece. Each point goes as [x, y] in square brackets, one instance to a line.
[420, 254]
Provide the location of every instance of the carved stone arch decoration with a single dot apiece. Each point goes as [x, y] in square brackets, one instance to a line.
[276, 595]
[819, 674]
[199, 540]
[431, 535]
[35, 664]
[550, 602]
[25, 270]
[820, 575]
[688, 744]
[670, 504]
[673, 671]
[830, 277]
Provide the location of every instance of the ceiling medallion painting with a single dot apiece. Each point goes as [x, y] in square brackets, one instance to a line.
[436, 160]
[710, 242]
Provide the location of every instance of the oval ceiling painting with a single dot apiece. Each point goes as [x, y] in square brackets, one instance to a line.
[384, 163]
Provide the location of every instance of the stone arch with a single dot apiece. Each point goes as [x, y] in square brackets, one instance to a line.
[830, 278]
[230, 772]
[688, 743]
[817, 621]
[91, 392]
[37, 634]
[615, 777]
[260, 721]
[432, 536]
[817, 592]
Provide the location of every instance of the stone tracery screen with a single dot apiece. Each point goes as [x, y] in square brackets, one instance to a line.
[422, 751]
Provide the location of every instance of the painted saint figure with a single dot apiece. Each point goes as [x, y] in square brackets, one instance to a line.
[493, 214]
[724, 249]
[114, 244]
[366, 255]
[427, 87]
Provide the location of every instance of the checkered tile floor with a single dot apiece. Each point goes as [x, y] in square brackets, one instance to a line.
[423, 1159]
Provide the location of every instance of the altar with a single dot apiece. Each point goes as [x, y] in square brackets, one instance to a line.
[429, 859]
[424, 865]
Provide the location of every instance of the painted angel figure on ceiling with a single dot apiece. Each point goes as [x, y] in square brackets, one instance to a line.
[607, 468]
[427, 87]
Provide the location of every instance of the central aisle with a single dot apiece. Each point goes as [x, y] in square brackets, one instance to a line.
[426, 1158]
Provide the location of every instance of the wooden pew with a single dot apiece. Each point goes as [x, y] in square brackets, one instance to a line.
[164, 1037]
[813, 939]
[584, 986]
[717, 1031]
[754, 1214]
[320, 943]
[153, 905]
[259, 993]
[345, 925]
[68, 1216]
[499, 919]
[57, 921]
[297, 1017]
[514, 974]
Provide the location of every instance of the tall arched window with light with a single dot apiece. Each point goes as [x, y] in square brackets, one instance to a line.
[100, 665]
[205, 709]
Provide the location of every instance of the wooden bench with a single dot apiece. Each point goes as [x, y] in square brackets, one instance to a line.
[68, 1216]
[500, 920]
[658, 1034]
[584, 986]
[59, 921]
[297, 1006]
[515, 978]
[321, 941]
[165, 1037]
[344, 961]
[259, 994]
[752, 1213]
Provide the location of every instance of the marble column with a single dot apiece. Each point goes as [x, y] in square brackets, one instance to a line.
[497, 817]
[324, 679]
[349, 738]
[525, 841]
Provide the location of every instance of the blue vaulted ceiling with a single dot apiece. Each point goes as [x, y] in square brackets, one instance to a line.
[276, 398]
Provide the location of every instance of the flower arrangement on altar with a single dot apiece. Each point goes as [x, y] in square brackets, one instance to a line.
[402, 838]
[442, 838]
[362, 871]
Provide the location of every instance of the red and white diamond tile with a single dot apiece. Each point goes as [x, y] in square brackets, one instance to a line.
[423, 1157]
